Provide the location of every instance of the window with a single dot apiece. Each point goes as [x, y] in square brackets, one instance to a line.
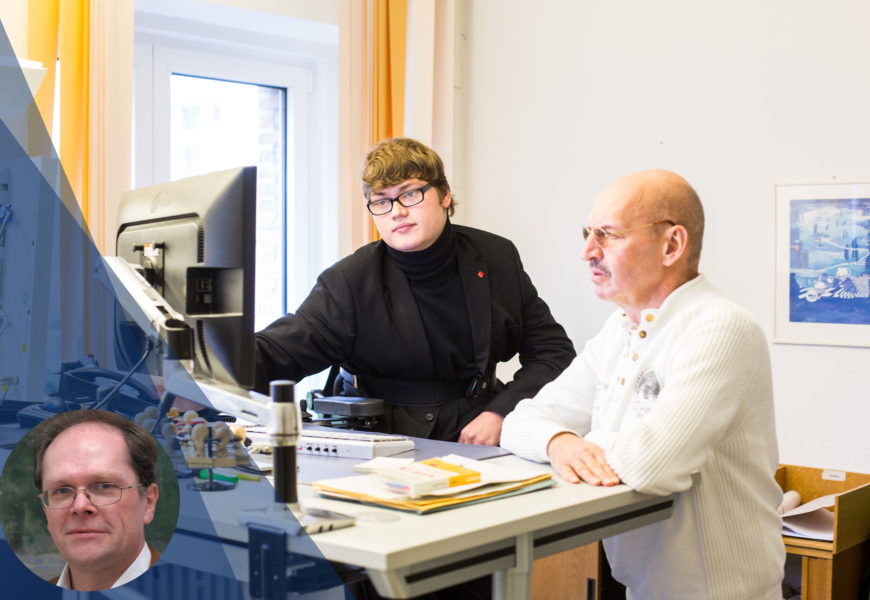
[216, 125]
[212, 97]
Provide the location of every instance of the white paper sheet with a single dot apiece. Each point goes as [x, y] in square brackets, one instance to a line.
[490, 475]
[811, 520]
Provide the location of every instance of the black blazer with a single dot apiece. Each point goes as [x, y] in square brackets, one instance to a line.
[362, 314]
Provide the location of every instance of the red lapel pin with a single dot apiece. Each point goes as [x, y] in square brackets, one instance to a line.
[480, 274]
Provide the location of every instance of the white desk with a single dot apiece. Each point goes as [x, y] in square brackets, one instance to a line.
[414, 554]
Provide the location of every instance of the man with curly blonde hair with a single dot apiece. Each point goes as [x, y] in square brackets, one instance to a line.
[422, 317]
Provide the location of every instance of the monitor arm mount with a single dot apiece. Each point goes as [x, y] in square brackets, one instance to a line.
[160, 322]
[167, 329]
[163, 326]
[152, 263]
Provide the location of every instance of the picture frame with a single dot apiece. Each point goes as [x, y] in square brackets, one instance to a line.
[822, 263]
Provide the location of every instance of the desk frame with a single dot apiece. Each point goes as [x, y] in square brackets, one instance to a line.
[510, 561]
[826, 575]
[501, 538]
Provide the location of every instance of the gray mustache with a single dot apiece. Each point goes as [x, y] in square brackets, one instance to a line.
[596, 264]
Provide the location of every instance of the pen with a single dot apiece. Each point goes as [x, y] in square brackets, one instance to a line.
[238, 475]
[203, 474]
[233, 477]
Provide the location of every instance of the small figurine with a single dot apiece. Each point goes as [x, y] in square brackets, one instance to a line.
[223, 435]
[198, 436]
[168, 431]
[239, 432]
[150, 412]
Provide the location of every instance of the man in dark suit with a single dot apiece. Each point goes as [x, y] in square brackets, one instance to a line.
[96, 473]
[422, 316]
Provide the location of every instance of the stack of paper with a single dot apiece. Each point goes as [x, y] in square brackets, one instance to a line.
[495, 482]
[812, 520]
[420, 478]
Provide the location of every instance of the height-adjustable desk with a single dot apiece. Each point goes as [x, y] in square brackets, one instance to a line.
[407, 554]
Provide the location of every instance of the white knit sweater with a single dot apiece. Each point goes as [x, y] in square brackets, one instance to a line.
[682, 403]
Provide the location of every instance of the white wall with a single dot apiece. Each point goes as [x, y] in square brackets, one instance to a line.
[13, 16]
[562, 97]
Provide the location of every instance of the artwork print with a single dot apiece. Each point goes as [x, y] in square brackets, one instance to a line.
[829, 261]
[822, 255]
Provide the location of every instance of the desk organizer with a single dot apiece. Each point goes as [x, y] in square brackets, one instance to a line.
[831, 570]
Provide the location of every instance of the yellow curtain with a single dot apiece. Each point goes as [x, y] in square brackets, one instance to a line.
[42, 20]
[389, 68]
[74, 52]
[59, 32]
[60, 29]
[388, 72]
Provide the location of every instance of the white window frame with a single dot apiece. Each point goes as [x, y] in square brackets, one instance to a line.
[309, 73]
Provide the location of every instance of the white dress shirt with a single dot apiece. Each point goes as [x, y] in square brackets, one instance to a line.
[136, 568]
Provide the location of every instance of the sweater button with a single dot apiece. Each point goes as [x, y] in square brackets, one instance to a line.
[642, 334]
[430, 417]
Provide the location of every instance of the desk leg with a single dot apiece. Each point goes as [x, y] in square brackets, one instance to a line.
[516, 583]
[836, 578]
[816, 578]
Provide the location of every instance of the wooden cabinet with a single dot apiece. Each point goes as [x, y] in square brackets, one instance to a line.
[829, 576]
[567, 575]
[831, 570]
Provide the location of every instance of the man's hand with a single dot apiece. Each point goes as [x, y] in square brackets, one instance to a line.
[574, 459]
[485, 429]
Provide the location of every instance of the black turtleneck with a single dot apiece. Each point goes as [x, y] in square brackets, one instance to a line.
[434, 278]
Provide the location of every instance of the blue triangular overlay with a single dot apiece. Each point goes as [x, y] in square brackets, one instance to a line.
[39, 313]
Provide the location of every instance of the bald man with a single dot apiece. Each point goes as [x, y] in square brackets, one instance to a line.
[673, 395]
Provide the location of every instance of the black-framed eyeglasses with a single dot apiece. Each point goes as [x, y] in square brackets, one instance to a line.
[99, 494]
[602, 236]
[382, 206]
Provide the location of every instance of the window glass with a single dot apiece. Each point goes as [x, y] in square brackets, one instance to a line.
[215, 125]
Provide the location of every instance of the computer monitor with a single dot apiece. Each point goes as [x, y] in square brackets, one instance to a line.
[193, 240]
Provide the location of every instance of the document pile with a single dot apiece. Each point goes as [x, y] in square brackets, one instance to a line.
[812, 520]
[435, 484]
[416, 479]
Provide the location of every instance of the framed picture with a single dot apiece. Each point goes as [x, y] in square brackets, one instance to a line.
[822, 278]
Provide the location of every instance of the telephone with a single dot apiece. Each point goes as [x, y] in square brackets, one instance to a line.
[81, 386]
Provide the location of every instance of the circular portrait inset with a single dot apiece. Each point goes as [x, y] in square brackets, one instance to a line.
[88, 500]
